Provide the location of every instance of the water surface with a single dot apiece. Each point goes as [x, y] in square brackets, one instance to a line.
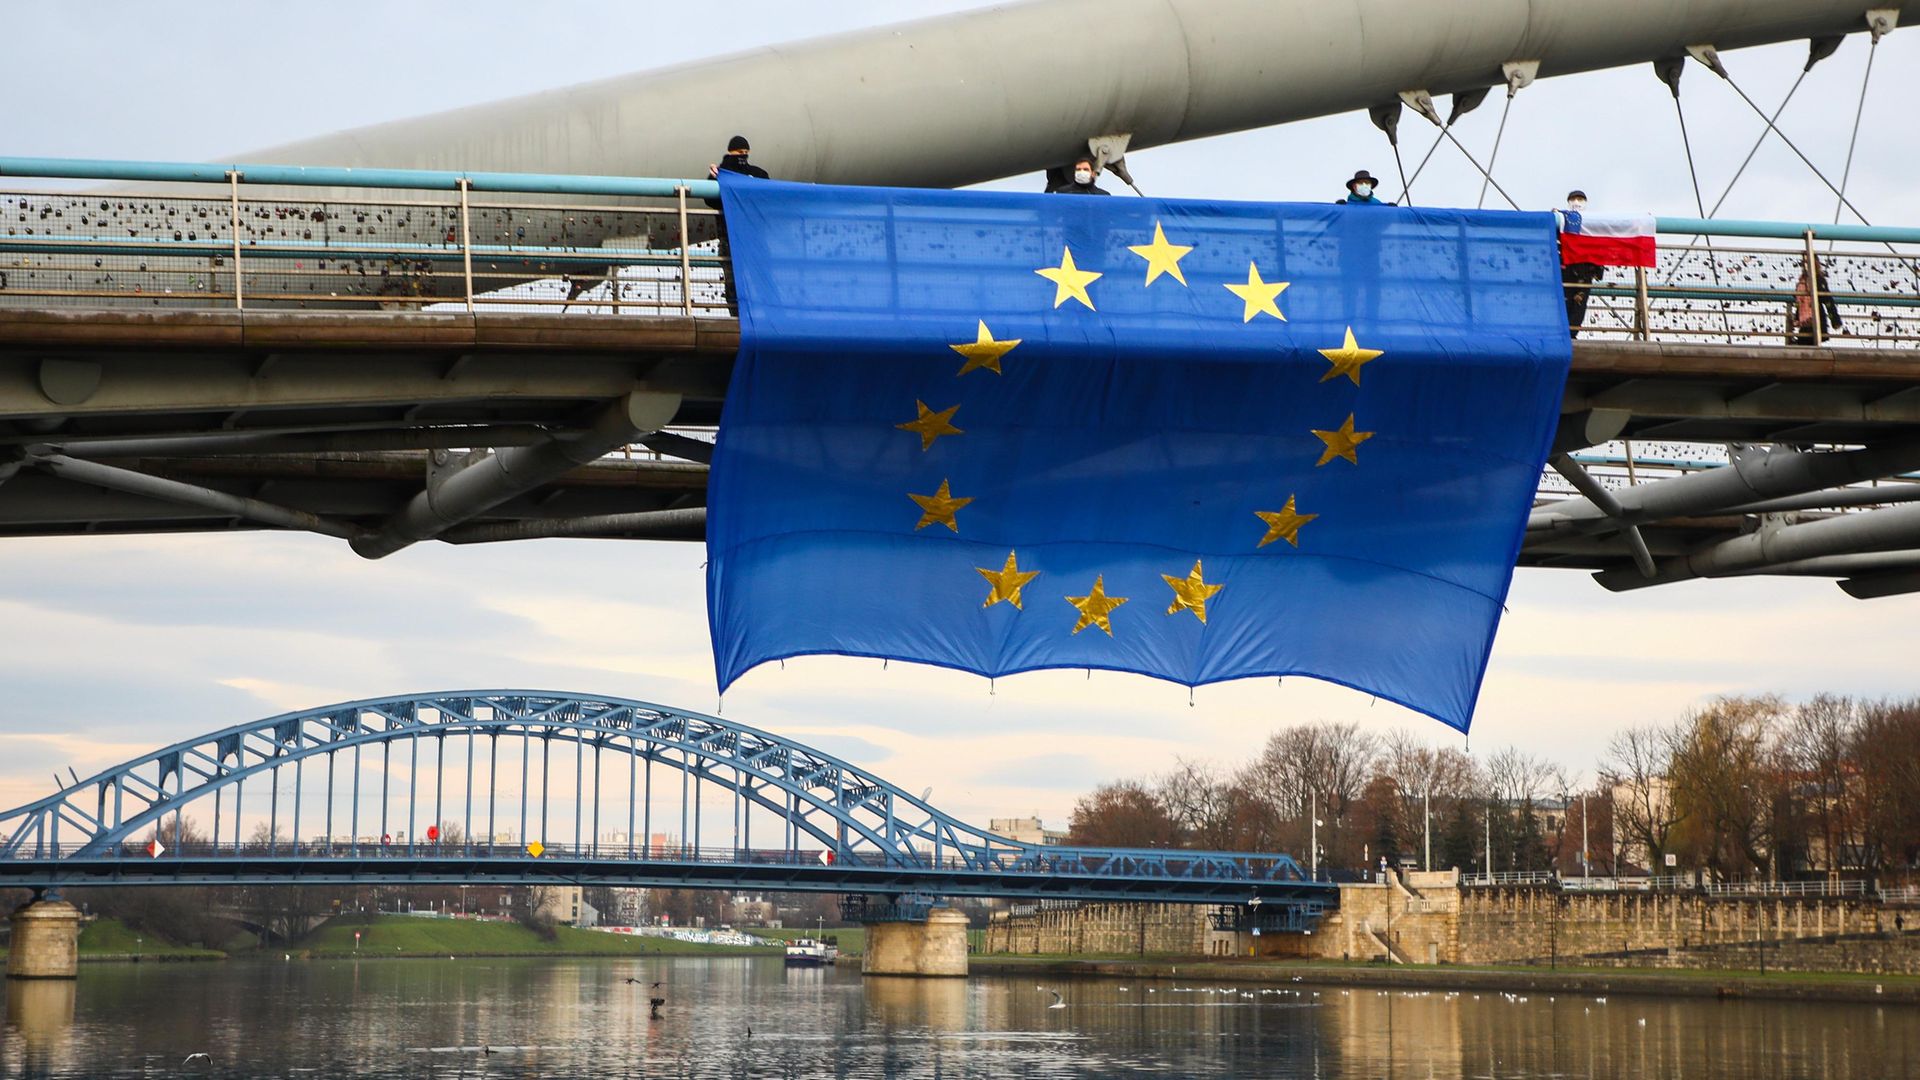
[753, 1017]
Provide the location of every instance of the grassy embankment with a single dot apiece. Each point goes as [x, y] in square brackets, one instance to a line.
[1795, 985]
[411, 936]
[111, 939]
[852, 939]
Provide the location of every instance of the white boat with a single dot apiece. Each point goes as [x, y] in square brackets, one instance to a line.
[807, 952]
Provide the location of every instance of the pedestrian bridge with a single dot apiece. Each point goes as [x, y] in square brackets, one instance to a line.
[389, 356]
[531, 787]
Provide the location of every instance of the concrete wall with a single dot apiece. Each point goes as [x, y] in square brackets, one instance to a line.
[1501, 924]
[46, 941]
[1430, 918]
[937, 946]
[1124, 929]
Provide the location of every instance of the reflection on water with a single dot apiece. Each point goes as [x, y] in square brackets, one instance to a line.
[727, 1018]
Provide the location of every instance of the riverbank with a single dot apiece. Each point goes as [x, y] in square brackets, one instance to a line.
[110, 940]
[1773, 986]
[403, 936]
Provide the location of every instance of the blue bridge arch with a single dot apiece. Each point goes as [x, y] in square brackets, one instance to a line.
[841, 828]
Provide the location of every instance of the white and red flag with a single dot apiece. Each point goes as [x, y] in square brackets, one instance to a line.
[1606, 241]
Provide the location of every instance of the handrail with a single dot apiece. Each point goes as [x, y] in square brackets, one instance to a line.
[1786, 230]
[182, 172]
[107, 169]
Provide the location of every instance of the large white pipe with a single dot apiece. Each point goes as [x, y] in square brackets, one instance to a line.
[978, 95]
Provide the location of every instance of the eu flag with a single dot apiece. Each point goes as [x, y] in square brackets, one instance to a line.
[1194, 440]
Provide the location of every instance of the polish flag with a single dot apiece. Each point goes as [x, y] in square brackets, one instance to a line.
[1606, 241]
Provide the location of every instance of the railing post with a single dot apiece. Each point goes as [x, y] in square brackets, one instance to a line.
[1641, 315]
[1813, 293]
[233, 224]
[686, 256]
[466, 246]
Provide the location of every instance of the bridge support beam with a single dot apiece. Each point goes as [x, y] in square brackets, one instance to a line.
[936, 947]
[46, 941]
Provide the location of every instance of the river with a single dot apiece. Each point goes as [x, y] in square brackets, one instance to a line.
[752, 1017]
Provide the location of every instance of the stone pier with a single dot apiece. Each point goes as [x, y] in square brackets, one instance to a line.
[46, 941]
[936, 947]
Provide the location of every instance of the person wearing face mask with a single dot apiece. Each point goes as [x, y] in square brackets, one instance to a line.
[1080, 183]
[735, 161]
[1360, 191]
[1577, 278]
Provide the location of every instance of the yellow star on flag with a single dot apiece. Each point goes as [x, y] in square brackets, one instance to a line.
[1162, 257]
[1283, 524]
[983, 351]
[1190, 593]
[1006, 581]
[1258, 295]
[1096, 607]
[939, 508]
[1347, 359]
[1341, 443]
[930, 425]
[1069, 280]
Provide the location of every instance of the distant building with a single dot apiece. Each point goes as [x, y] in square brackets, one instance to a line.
[1027, 830]
[564, 904]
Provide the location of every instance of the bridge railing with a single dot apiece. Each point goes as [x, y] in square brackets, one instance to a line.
[237, 236]
[1745, 283]
[232, 237]
[1063, 861]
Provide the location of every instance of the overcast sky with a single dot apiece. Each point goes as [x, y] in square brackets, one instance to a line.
[117, 646]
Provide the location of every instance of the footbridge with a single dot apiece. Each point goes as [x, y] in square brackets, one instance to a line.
[530, 787]
[391, 356]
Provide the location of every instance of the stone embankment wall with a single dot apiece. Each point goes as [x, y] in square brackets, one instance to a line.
[1432, 919]
[1118, 929]
[1522, 924]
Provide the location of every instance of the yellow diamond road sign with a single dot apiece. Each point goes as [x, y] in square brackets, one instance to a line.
[535, 848]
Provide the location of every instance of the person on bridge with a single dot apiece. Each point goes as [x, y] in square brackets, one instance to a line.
[734, 161]
[1577, 278]
[1081, 182]
[1800, 328]
[1360, 191]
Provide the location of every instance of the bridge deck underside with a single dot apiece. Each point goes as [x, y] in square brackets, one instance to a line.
[336, 413]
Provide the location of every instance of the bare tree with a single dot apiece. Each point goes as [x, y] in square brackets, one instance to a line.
[1426, 780]
[1813, 755]
[1635, 768]
[1309, 765]
[1200, 801]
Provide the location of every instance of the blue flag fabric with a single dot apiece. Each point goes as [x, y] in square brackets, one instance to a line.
[1194, 440]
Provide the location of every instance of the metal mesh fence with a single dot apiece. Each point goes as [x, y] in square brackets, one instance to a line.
[148, 250]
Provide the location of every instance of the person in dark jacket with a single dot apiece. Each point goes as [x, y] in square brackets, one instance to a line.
[1577, 278]
[735, 161]
[1360, 191]
[1080, 183]
[1801, 314]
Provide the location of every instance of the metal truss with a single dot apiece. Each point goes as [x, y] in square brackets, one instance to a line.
[843, 828]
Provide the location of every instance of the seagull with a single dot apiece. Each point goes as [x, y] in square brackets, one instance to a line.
[1599, 1001]
[191, 1058]
[1058, 1001]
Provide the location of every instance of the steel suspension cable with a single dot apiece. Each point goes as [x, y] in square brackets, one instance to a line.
[1700, 205]
[1838, 192]
[1397, 164]
[1498, 134]
[1852, 141]
[1687, 253]
[1422, 167]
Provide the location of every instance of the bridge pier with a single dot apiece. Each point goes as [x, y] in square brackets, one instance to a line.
[46, 940]
[935, 946]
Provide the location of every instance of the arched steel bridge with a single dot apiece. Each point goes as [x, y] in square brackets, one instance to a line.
[460, 787]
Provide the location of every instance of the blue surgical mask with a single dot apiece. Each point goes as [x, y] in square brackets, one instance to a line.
[1363, 190]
